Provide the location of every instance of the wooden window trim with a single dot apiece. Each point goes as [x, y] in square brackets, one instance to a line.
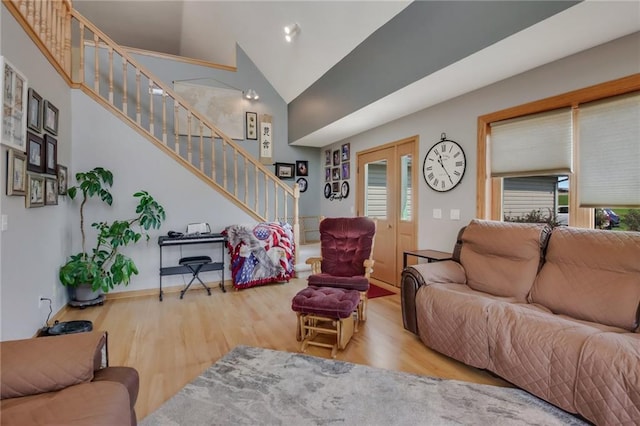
[489, 190]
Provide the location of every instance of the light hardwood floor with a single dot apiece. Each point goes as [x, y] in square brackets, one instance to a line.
[171, 342]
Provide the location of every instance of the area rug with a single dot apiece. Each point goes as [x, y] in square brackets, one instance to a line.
[377, 291]
[253, 386]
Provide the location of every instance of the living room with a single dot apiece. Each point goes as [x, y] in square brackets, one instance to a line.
[90, 136]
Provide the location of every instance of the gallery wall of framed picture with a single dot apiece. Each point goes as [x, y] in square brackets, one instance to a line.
[29, 131]
[337, 172]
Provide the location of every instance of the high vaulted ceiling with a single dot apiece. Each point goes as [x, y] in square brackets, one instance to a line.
[331, 30]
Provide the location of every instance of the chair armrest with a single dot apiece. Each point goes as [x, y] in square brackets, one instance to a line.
[316, 263]
[47, 364]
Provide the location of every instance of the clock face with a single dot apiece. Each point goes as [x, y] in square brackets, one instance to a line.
[444, 166]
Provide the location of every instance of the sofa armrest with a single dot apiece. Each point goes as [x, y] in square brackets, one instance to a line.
[47, 364]
[416, 276]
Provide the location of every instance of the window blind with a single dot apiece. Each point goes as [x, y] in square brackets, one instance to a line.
[538, 144]
[609, 152]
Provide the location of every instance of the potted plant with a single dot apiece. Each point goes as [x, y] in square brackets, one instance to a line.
[104, 267]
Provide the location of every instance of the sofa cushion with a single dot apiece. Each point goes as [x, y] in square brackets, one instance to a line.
[452, 320]
[87, 404]
[502, 258]
[536, 350]
[592, 275]
[608, 386]
[67, 360]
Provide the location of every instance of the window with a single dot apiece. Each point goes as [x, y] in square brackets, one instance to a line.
[503, 176]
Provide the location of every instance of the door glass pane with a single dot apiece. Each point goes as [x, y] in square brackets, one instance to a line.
[405, 189]
[375, 197]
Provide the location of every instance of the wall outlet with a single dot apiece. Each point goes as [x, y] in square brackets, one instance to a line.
[454, 214]
[437, 213]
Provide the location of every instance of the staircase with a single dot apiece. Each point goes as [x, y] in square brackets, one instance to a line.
[90, 61]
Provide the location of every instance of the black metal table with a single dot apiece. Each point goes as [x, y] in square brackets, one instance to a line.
[165, 241]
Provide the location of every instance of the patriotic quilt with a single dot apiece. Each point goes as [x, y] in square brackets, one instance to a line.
[261, 254]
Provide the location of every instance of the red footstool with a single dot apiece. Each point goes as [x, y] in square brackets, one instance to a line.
[325, 311]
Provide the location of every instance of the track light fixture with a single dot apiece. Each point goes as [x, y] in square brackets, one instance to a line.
[252, 95]
[291, 31]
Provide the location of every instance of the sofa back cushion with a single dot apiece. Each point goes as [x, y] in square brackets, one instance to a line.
[593, 275]
[48, 364]
[503, 258]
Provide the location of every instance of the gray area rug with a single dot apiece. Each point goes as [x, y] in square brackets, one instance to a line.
[253, 386]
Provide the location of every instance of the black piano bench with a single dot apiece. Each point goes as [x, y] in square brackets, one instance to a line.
[195, 264]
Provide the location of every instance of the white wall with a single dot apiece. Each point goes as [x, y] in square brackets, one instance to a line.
[37, 239]
[104, 140]
[458, 119]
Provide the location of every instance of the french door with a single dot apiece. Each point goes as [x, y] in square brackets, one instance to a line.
[386, 191]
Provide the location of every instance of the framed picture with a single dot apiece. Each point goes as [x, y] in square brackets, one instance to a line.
[35, 153]
[327, 190]
[336, 157]
[63, 180]
[252, 125]
[285, 170]
[327, 157]
[50, 117]
[302, 168]
[266, 140]
[14, 94]
[16, 172]
[327, 174]
[336, 187]
[51, 155]
[50, 192]
[34, 111]
[346, 170]
[346, 152]
[335, 173]
[303, 184]
[35, 191]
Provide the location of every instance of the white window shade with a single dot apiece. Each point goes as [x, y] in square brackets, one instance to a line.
[538, 144]
[609, 152]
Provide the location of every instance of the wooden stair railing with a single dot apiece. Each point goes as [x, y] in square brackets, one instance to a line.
[88, 59]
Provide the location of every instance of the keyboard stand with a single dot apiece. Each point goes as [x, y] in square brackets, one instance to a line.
[165, 241]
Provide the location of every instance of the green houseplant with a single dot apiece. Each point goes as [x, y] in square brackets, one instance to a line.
[104, 267]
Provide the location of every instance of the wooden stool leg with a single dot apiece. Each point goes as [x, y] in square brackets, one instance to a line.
[298, 327]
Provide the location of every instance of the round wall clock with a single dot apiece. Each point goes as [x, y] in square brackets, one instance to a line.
[444, 165]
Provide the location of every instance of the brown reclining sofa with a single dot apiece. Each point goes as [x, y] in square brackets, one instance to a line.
[59, 380]
[555, 312]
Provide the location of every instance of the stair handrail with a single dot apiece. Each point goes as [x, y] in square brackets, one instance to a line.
[55, 40]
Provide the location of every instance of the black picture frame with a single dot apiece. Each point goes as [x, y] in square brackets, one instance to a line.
[63, 179]
[335, 173]
[51, 155]
[35, 153]
[346, 170]
[50, 118]
[327, 190]
[251, 121]
[34, 111]
[302, 168]
[346, 152]
[336, 187]
[285, 170]
[344, 189]
[302, 184]
[327, 174]
[336, 157]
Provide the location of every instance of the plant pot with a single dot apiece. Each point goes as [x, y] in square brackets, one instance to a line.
[84, 293]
